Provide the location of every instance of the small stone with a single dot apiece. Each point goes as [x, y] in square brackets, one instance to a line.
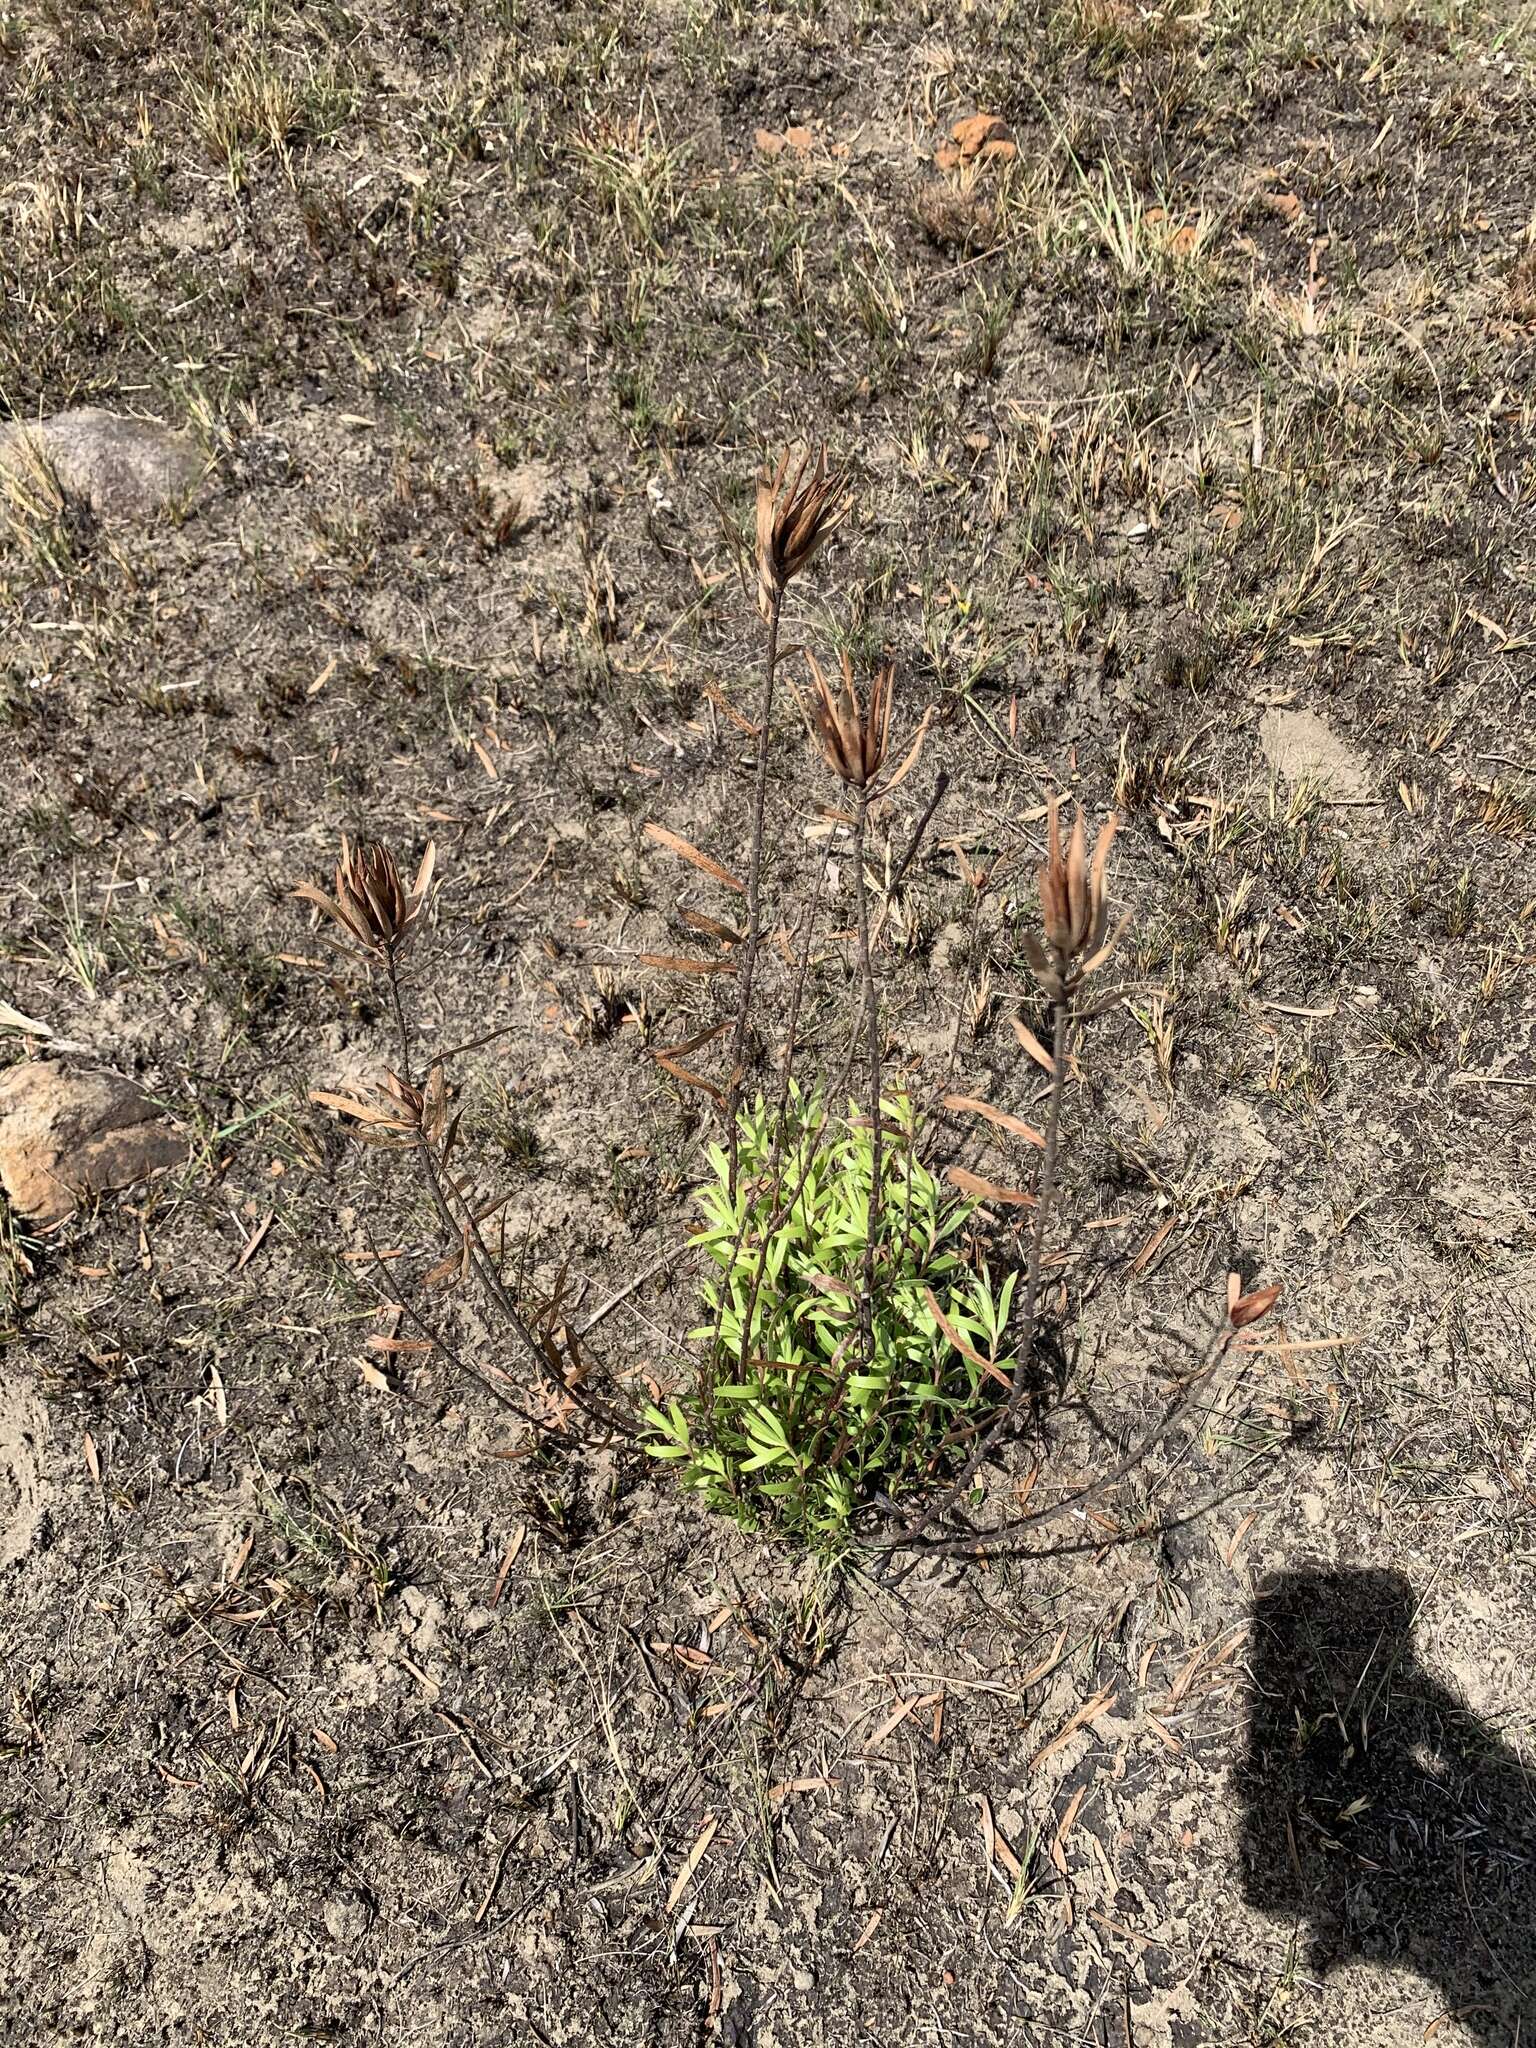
[422, 1618]
[66, 1135]
[121, 467]
[346, 1920]
[1299, 744]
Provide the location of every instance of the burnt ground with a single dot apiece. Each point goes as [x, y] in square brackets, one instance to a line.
[1196, 455]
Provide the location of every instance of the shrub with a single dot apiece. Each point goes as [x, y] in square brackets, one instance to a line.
[827, 1406]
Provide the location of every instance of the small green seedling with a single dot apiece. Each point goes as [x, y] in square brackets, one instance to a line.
[804, 1407]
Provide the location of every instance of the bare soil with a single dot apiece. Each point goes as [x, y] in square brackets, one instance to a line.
[1196, 451]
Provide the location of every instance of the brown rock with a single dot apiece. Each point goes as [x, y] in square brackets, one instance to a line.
[120, 467]
[974, 133]
[67, 1135]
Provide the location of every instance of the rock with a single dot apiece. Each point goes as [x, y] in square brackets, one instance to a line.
[1299, 743]
[120, 467]
[66, 1135]
[346, 1920]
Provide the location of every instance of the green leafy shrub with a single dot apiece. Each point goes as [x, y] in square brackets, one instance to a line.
[800, 1425]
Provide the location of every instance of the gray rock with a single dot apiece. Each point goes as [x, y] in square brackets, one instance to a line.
[346, 1920]
[1299, 744]
[65, 1136]
[120, 467]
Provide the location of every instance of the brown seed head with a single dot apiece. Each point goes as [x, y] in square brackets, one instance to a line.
[399, 1114]
[853, 736]
[1248, 1308]
[372, 904]
[1074, 907]
[793, 519]
[418, 1109]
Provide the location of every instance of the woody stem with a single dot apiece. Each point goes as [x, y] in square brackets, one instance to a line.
[753, 939]
[872, 1046]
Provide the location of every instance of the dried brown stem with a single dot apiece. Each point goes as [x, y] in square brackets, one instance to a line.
[776, 1155]
[753, 939]
[1007, 1416]
[973, 1543]
[466, 1231]
[434, 1336]
[872, 1047]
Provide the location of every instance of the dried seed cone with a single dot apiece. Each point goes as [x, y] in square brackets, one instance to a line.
[853, 735]
[370, 894]
[794, 519]
[1074, 907]
[372, 904]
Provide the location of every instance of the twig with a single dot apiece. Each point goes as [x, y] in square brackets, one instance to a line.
[776, 1155]
[1007, 1416]
[940, 785]
[419, 1322]
[467, 1232]
[978, 899]
[872, 1048]
[748, 967]
[617, 1300]
[975, 1543]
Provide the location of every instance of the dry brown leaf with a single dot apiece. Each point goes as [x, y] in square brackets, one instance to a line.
[1155, 1243]
[688, 1045]
[965, 1349]
[254, 1242]
[1046, 1665]
[898, 1714]
[869, 1927]
[712, 928]
[671, 963]
[1083, 1718]
[363, 1111]
[1069, 1819]
[686, 850]
[722, 703]
[1004, 1119]
[986, 1190]
[1032, 1046]
[689, 1078]
[997, 1847]
[780, 1792]
[695, 1855]
[1252, 1306]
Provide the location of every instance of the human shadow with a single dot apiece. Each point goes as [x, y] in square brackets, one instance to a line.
[1379, 1810]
